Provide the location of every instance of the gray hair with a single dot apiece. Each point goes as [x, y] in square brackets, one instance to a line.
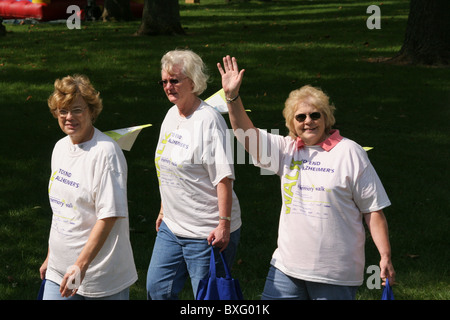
[191, 65]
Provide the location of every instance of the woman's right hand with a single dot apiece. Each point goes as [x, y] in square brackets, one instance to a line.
[43, 269]
[44, 266]
[159, 220]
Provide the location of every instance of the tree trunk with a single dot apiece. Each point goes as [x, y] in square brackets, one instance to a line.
[427, 39]
[161, 17]
[2, 28]
[118, 10]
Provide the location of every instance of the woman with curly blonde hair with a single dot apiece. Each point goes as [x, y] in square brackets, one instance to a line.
[89, 253]
[328, 188]
[317, 98]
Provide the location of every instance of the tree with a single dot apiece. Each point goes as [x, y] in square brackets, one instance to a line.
[161, 17]
[427, 39]
[117, 10]
[2, 28]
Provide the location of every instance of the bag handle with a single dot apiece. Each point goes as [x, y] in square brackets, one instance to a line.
[212, 265]
[387, 292]
[225, 265]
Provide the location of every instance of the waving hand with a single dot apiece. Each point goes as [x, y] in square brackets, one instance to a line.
[231, 76]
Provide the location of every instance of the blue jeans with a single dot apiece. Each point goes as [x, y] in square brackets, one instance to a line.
[279, 286]
[51, 292]
[174, 258]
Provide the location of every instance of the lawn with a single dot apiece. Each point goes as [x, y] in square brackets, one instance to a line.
[282, 45]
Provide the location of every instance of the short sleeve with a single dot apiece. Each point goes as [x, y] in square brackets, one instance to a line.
[111, 191]
[369, 193]
[217, 157]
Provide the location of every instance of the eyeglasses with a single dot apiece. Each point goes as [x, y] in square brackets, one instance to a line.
[163, 83]
[302, 116]
[74, 112]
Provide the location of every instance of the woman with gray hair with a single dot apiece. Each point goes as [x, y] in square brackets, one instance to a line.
[198, 205]
[328, 186]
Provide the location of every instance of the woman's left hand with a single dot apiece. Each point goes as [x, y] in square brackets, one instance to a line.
[75, 274]
[231, 76]
[387, 271]
[220, 237]
[71, 281]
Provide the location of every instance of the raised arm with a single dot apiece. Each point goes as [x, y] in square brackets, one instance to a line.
[241, 123]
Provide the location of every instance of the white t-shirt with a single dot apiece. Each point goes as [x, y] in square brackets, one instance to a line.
[88, 183]
[324, 193]
[191, 158]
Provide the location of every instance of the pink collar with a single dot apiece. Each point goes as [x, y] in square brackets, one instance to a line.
[326, 145]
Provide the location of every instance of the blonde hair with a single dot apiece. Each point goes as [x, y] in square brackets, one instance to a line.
[68, 89]
[191, 65]
[317, 98]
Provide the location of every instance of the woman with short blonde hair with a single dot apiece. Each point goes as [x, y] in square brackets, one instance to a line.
[89, 237]
[68, 88]
[317, 98]
[328, 187]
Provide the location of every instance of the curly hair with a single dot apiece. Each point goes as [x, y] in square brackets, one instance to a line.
[69, 88]
[317, 98]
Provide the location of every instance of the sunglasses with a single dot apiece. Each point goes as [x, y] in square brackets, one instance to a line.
[163, 83]
[302, 116]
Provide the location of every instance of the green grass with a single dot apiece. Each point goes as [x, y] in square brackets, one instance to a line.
[401, 111]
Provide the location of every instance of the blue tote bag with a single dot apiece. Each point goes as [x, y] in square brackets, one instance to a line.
[387, 292]
[41, 290]
[214, 288]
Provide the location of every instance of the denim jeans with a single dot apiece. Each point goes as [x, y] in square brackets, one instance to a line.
[51, 292]
[279, 286]
[175, 258]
